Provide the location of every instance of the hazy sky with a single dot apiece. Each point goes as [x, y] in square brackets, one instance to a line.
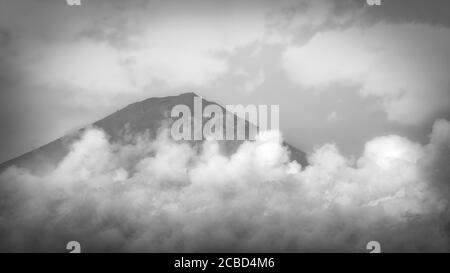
[341, 71]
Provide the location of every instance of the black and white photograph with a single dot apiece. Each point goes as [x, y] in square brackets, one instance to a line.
[211, 126]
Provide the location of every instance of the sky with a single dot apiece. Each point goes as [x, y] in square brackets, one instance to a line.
[341, 71]
[363, 89]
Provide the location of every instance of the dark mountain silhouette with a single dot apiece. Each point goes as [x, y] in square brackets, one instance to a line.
[138, 117]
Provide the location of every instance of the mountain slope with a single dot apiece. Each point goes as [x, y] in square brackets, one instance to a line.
[138, 117]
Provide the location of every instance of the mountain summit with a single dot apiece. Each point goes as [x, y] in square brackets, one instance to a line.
[138, 117]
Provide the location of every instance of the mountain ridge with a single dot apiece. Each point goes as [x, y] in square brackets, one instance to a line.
[148, 114]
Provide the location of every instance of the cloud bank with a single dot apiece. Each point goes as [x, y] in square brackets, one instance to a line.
[145, 194]
[404, 66]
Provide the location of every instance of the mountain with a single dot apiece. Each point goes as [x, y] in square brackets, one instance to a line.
[138, 117]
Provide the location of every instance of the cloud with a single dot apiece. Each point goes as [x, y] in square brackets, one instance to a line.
[106, 49]
[255, 81]
[4, 38]
[333, 116]
[160, 195]
[403, 65]
[297, 21]
[134, 48]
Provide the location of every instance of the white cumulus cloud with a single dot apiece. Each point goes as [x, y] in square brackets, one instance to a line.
[159, 195]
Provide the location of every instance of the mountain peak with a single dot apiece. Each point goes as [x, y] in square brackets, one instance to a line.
[190, 94]
[182, 95]
[183, 98]
[146, 115]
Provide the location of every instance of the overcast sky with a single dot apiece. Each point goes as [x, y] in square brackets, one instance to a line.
[341, 71]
